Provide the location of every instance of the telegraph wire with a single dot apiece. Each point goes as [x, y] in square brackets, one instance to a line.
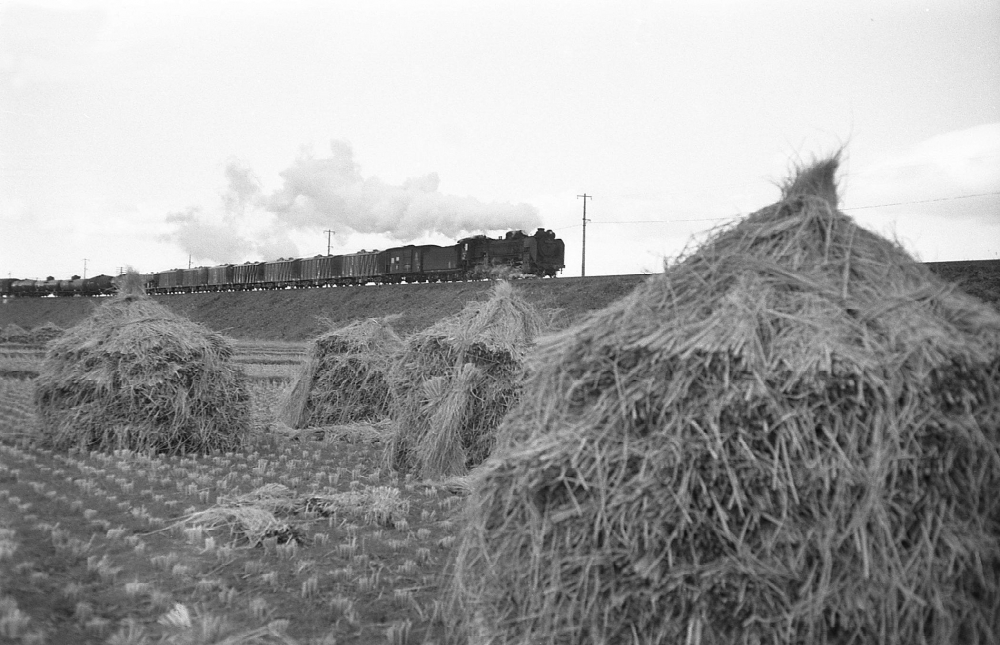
[732, 217]
[922, 201]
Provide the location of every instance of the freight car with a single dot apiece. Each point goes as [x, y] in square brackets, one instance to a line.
[540, 254]
[76, 286]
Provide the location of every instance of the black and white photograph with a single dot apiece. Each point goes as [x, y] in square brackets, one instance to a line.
[508, 322]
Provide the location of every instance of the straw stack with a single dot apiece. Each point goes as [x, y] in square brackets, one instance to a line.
[345, 378]
[791, 436]
[14, 333]
[136, 376]
[45, 333]
[455, 381]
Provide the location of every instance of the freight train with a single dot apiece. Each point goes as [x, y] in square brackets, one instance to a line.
[541, 254]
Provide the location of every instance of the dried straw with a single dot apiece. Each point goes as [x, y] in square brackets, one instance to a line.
[269, 511]
[791, 436]
[130, 283]
[454, 382]
[344, 379]
[252, 517]
[45, 333]
[15, 333]
[136, 376]
[381, 505]
[245, 523]
[445, 405]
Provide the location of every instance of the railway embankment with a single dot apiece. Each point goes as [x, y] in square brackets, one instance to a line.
[299, 314]
[295, 315]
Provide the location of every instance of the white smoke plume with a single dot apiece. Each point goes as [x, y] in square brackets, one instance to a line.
[317, 193]
[244, 188]
[240, 230]
[214, 239]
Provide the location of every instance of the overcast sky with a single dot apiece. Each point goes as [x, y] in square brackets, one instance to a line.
[146, 133]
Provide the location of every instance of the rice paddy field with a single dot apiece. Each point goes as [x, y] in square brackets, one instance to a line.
[305, 536]
[300, 537]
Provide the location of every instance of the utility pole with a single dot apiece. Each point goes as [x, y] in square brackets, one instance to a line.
[328, 234]
[84, 268]
[583, 258]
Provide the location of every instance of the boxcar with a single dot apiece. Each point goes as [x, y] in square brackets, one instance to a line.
[220, 276]
[169, 280]
[405, 262]
[194, 279]
[439, 259]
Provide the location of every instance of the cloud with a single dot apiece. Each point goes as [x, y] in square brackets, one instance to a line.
[940, 198]
[949, 175]
[208, 238]
[330, 192]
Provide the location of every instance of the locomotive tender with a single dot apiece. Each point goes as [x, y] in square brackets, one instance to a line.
[540, 254]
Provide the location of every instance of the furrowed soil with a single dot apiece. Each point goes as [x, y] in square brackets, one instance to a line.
[297, 315]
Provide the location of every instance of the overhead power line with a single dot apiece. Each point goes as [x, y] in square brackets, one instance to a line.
[852, 208]
[922, 201]
[666, 221]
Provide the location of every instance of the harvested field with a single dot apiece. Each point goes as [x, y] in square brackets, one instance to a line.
[277, 361]
[20, 361]
[96, 546]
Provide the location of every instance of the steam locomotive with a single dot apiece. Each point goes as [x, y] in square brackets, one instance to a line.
[541, 254]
